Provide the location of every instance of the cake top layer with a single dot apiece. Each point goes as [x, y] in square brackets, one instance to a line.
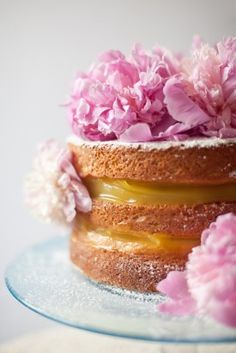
[157, 95]
[199, 162]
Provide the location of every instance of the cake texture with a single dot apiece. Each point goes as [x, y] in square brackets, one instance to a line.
[134, 235]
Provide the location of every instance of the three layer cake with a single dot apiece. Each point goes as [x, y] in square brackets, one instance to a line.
[151, 202]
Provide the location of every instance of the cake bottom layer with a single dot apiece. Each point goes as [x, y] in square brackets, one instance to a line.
[133, 271]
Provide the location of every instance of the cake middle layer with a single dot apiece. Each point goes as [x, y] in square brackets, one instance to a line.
[138, 192]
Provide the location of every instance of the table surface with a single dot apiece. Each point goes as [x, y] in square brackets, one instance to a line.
[68, 340]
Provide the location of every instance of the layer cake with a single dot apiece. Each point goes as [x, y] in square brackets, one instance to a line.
[151, 201]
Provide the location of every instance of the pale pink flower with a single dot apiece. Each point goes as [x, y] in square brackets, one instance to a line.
[53, 189]
[208, 285]
[203, 97]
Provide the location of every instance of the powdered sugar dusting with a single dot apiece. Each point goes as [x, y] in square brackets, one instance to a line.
[204, 142]
[141, 219]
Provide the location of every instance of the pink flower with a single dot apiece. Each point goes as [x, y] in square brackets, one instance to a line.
[54, 191]
[203, 97]
[170, 96]
[208, 286]
[181, 107]
[118, 93]
[175, 286]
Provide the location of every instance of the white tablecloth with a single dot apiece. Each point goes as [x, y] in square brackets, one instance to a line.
[68, 340]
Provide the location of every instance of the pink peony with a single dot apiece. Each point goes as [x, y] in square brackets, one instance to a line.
[175, 286]
[118, 93]
[157, 95]
[54, 191]
[203, 97]
[208, 286]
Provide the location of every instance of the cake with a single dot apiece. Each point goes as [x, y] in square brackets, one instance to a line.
[150, 165]
[151, 203]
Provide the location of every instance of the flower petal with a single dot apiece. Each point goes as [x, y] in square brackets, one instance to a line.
[180, 307]
[181, 107]
[174, 285]
[139, 132]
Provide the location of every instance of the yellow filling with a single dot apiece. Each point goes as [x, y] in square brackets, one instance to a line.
[135, 241]
[136, 192]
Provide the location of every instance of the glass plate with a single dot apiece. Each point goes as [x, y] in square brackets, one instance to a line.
[44, 280]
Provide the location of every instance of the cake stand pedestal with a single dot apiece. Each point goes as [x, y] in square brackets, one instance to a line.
[45, 281]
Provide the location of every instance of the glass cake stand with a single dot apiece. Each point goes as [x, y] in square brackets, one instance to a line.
[45, 281]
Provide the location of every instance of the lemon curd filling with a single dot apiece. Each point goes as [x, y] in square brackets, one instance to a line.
[135, 192]
[130, 240]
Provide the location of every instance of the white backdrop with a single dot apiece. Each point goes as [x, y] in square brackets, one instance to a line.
[42, 44]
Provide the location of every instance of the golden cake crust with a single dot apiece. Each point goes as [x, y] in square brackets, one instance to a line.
[179, 163]
[139, 272]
